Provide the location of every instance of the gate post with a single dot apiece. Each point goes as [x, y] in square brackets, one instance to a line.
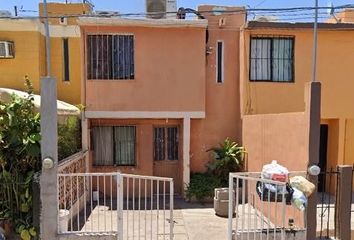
[49, 152]
[120, 206]
[313, 112]
[343, 203]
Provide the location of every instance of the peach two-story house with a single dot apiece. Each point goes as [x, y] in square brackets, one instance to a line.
[158, 93]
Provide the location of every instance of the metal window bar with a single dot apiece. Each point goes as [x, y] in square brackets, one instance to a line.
[110, 57]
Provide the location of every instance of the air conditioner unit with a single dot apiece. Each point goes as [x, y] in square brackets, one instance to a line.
[7, 49]
[63, 20]
[158, 9]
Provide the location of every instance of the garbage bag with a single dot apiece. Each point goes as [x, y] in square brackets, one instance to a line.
[275, 171]
[302, 184]
[272, 193]
[299, 200]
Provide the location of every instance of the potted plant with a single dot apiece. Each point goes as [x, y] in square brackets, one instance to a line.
[227, 157]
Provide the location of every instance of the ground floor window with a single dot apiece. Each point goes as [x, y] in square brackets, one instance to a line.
[165, 143]
[114, 145]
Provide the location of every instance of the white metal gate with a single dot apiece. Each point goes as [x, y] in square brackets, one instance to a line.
[125, 205]
[257, 214]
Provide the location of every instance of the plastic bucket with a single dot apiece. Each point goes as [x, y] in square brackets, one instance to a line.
[63, 220]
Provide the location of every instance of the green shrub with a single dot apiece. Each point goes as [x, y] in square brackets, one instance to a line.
[202, 186]
[19, 159]
[228, 157]
[69, 137]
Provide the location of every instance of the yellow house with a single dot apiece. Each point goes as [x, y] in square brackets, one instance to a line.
[276, 62]
[22, 50]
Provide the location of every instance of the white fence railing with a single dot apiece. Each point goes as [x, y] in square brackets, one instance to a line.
[129, 206]
[255, 212]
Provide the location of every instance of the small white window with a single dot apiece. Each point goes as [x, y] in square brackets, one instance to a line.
[7, 49]
[220, 62]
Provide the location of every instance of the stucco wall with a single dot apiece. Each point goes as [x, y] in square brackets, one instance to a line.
[335, 58]
[26, 61]
[69, 91]
[223, 119]
[30, 57]
[281, 137]
[169, 72]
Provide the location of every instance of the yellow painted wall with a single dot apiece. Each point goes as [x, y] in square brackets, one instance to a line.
[335, 72]
[63, 9]
[349, 142]
[26, 62]
[30, 57]
[69, 91]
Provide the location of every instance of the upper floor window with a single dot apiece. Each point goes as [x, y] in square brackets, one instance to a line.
[110, 57]
[272, 59]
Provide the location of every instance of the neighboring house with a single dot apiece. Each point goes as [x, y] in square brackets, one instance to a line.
[23, 51]
[159, 92]
[276, 62]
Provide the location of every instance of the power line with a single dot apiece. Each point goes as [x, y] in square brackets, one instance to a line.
[226, 12]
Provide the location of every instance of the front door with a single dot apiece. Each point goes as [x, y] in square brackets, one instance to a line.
[323, 158]
[167, 154]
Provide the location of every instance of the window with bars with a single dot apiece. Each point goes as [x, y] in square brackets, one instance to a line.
[272, 59]
[165, 143]
[114, 145]
[110, 57]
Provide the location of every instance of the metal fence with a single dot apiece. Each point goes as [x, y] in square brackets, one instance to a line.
[327, 199]
[129, 206]
[255, 212]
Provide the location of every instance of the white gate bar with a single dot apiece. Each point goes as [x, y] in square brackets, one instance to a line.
[92, 213]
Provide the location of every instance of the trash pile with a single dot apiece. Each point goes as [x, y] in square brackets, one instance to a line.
[296, 191]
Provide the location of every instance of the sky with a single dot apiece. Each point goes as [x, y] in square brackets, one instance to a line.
[134, 6]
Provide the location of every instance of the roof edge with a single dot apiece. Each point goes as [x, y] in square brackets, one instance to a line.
[118, 21]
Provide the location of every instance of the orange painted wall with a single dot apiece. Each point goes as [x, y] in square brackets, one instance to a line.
[281, 137]
[222, 99]
[169, 72]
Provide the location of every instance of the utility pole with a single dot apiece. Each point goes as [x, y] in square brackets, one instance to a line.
[49, 146]
[314, 50]
[313, 111]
